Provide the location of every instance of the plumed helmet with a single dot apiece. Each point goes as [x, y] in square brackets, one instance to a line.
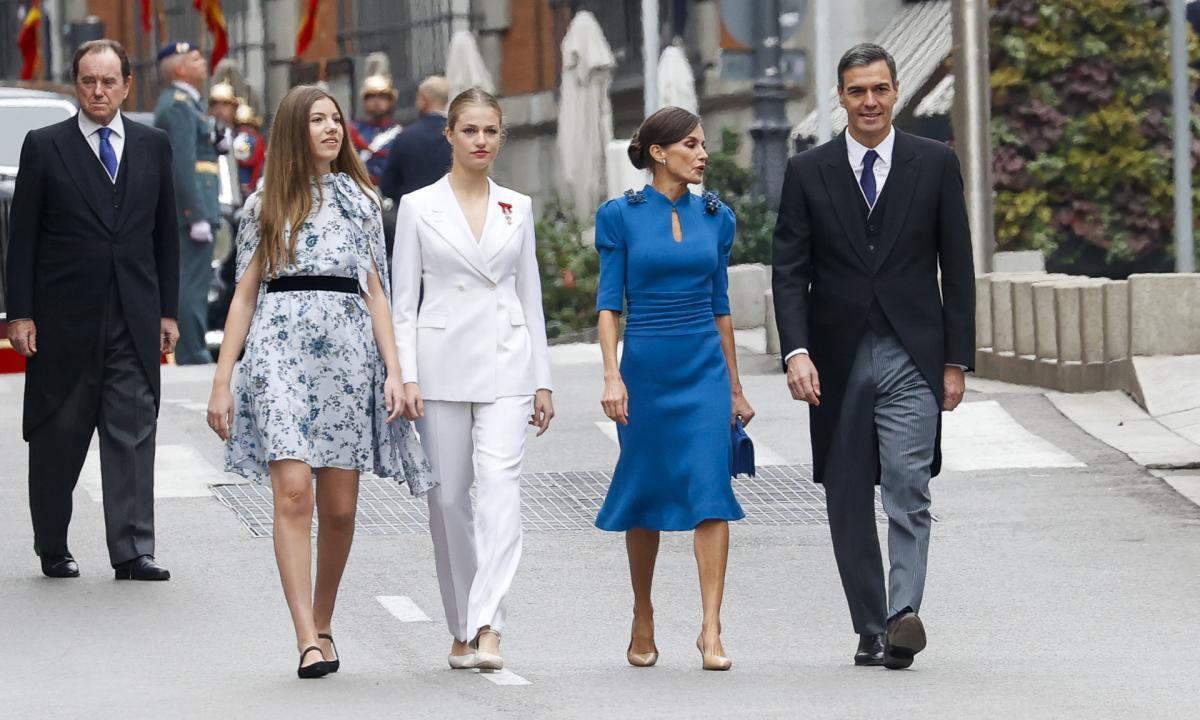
[378, 85]
[222, 92]
[245, 116]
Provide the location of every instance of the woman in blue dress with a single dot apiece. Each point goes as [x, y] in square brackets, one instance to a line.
[675, 392]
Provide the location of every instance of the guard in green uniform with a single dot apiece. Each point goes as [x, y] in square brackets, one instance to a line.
[180, 113]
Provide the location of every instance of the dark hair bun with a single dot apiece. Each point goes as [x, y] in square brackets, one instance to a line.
[665, 127]
[637, 154]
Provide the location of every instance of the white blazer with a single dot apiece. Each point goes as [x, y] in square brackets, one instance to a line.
[480, 332]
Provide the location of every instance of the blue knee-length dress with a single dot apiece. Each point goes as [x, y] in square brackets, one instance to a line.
[673, 472]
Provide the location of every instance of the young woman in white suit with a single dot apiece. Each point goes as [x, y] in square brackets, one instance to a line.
[471, 336]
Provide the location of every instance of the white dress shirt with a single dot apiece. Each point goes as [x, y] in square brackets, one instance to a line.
[91, 132]
[855, 152]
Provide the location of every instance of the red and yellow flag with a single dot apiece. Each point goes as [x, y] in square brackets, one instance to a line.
[305, 35]
[27, 38]
[146, 27]
[215, 19]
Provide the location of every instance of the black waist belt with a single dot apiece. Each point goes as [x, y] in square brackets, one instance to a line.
[293, 283]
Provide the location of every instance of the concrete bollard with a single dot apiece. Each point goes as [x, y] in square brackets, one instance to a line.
[1164, 314]
[772, 328]
[1024, 315]
[983, 311]
[748, 285]
[1116, 320]
[1022, 261]
[1045, 320]
[1091, 320]
[1002, 314]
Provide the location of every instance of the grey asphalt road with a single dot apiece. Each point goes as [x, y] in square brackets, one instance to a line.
[1053, 592]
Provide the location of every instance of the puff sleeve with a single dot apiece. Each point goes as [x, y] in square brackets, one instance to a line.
[610, 243]
[720, 284]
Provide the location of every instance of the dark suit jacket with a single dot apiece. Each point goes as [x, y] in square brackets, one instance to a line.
[65, 252]
[826, 279]
[420, 156]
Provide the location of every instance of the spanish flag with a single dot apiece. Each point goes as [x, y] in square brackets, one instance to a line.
[27, 38]
[305, 35]
[215, 19]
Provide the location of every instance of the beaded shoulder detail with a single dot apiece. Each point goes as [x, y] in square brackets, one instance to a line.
[635, 197]
[712, 202]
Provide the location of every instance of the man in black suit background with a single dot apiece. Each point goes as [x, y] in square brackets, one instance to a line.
[93, 282]
[420, 155]
[872, 342]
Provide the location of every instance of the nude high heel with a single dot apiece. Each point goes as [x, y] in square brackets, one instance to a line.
[712, 662]
[646, 659]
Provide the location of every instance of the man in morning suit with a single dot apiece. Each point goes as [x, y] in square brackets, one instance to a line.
[93, 278]
[420, 156]
[872, 342]
[193, 141]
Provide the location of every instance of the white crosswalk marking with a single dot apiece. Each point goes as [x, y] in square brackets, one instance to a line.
[179, 471]
[983, 436]
[763, 455]
[505, 677]
[402, 608]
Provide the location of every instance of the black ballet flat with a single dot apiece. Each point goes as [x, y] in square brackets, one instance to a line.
[336, 662]
[316, 670]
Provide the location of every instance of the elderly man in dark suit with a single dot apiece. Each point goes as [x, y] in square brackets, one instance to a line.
[872, 341]
[420, 155]
[93, 282]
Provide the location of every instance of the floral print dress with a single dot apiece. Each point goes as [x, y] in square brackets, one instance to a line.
[309, 386]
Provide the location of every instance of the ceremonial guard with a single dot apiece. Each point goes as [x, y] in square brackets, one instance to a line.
[249, 148]
[374, 132]
[193, 137]
[222, 106]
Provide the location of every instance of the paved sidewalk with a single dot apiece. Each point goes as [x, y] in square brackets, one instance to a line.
[1063, 579]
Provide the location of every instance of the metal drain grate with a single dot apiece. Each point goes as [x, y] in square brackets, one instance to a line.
[779, 495]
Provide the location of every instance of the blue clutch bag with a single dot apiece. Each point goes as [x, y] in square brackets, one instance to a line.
[741, 455]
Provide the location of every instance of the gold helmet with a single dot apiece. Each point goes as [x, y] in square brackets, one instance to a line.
[245, 115]
[222, 92]
[378, 85]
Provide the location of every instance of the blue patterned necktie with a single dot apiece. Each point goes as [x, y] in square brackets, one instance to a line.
[108, 156]
[867, 181]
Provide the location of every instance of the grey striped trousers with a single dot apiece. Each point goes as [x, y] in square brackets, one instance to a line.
[889, 416]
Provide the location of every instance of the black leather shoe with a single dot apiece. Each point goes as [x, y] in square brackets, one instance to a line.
[59, 566]
[870, 650]
[905, 638]
[141, 568]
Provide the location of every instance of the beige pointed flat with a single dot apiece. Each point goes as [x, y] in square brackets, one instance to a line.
[486, 661]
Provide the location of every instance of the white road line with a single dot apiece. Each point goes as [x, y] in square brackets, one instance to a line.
[983, 436]
[609, 428]
[179, 471]
[505, 677]
[402, 608]
[763, 455]
[198, 406]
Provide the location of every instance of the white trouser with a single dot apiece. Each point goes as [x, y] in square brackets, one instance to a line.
[476, 552]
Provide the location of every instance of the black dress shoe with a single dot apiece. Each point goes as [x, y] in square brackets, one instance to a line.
[141, 568]
[905, 638]
[870, 650]
[59, 566]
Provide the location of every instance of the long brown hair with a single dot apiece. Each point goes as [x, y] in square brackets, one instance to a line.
[286, 199]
